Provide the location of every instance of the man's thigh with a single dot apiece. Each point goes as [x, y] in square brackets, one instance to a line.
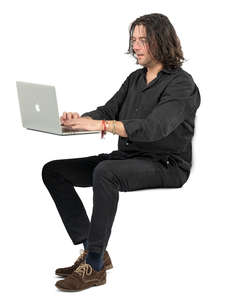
[78, 171]
[132, 174]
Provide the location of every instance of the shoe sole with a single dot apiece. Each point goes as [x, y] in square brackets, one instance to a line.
[95, 284]
[108, 267]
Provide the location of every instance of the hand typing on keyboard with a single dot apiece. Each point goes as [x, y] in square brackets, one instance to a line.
[68, 116]
[74, 121]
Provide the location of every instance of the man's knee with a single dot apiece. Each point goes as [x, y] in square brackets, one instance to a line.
[48, 169]
[104, 170]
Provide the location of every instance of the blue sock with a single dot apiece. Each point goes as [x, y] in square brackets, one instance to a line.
[95, 260]
[85, 244]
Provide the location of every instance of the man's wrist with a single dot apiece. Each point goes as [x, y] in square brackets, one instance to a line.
[115, 127]
[100, 125]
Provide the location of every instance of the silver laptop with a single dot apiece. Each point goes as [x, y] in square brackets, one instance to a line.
[39, 109]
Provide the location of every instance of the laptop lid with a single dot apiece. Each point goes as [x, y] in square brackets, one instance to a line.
[39, 109]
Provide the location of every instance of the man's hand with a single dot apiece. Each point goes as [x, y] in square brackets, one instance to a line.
[68, 116]
[74, 121]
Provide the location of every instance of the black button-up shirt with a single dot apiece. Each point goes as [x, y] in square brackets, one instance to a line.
[158, 117]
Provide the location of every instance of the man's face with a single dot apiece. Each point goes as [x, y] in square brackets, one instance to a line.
[141, 46]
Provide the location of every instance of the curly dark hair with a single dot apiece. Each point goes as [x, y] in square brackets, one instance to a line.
[164, 44]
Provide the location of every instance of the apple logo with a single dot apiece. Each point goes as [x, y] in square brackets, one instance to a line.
[37, 107]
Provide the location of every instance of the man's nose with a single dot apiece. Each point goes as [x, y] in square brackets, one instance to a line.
[139, 43]
[136, 49]
[137, 46]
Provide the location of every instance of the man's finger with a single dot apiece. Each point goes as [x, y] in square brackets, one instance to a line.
[70, 122]
[76, 115]
[69, 116]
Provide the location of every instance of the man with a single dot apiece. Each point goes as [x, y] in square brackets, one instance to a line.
[153, 113]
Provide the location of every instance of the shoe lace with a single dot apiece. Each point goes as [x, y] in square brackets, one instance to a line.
[81, 257]
[84, 269]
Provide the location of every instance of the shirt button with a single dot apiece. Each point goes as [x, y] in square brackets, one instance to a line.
[127, 143]
[136, 109]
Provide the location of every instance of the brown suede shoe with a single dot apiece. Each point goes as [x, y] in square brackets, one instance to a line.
[82, 278]
[63, 272]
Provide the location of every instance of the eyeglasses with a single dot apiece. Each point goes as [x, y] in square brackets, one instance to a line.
[141, 42]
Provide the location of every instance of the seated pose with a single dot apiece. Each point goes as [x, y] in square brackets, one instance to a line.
[153, 113]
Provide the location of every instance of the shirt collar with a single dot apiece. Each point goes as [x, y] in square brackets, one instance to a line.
[165, 70]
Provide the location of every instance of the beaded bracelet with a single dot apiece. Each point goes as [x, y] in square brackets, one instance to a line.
[114, 127]
[105, 126]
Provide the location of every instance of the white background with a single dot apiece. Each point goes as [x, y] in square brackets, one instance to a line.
[165, 243]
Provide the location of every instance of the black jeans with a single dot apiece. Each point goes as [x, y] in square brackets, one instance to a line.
[107, 174]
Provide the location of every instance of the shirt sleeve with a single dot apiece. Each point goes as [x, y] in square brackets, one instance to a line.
[180, 99]
[110, 110]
